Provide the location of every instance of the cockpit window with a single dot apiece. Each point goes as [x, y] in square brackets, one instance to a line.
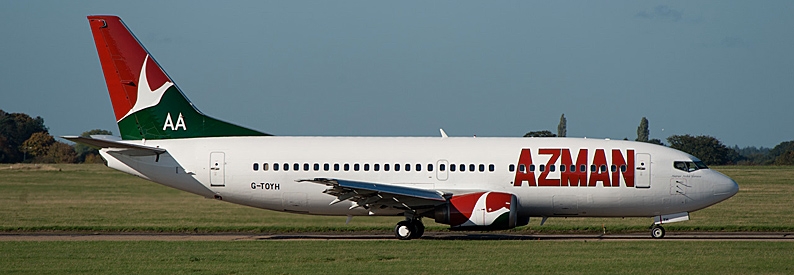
[689, 166]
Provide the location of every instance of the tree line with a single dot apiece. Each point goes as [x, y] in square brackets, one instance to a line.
[707, 148]
[26, 139]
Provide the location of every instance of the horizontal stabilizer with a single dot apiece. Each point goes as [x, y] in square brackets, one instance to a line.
[125, 148]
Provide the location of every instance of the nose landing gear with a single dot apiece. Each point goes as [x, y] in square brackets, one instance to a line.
[657, 231]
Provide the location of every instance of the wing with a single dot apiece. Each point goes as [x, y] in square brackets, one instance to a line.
[377, 195]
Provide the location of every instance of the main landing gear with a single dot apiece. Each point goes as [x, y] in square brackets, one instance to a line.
[409, 229]
[657, 231]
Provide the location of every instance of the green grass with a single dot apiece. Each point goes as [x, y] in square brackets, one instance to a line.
[397, 257]
[96, 198]
[90, 198]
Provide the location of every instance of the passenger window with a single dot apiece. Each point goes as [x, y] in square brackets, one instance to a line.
[396, 167]
[356, 167]
[386, 167]
[286, 166]
[491, 168]
[452, 167]
[275, 166]
[407, 167]
[511, 168]
[296, 167]
[347, 167]
[582, 168]
[552, 168]
[326, 167]
[522, 168]
[442, 167]
[614, 168]
[429, 167]
[531, 168]
[256, 166]
[316, 167]
[603, 168]
[482, 167]
[336, 166]
[592, 168]
[265, 166]
[366, 166]
[418, 167]
[573, 168]
[623, 168]
[376, 167]
[305, 167]
[542, 167]
[562, 168]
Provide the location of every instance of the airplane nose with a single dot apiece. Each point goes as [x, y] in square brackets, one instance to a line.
[726, 188]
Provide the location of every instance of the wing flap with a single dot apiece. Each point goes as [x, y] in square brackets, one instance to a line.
[375, 195]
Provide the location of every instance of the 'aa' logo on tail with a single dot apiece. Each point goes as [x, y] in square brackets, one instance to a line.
[169, 123]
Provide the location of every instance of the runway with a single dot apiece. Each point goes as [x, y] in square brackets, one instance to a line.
[685, 236]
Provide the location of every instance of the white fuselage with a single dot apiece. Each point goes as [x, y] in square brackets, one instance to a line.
[241, 170]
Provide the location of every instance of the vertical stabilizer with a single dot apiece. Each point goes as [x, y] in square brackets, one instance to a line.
[146, 102]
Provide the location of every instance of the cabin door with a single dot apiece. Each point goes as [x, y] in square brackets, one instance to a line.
[642, 171]
[217, 173]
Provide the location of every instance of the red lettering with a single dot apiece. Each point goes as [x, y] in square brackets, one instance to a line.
[621, 164]
[542, 180]
[575, 176]
[524, 159]
[600, 173]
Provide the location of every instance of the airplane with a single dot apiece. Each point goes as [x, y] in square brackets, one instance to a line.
[468, 183]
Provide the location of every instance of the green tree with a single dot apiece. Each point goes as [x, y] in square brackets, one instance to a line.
[16, 128]
[783, 153]
[544, 133]
[83, 150]
[642, 131]
[562, 128]
[60, 152]
[706, 148]
[656, 141]
[37, 145]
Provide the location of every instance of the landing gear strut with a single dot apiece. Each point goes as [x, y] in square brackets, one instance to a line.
[657, 231]
[409, 229]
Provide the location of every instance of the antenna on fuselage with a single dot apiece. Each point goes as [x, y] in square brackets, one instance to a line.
[443, 134]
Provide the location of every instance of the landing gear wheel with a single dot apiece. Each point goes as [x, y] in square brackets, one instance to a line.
[657, 232]
[420, 229]
[405, 230]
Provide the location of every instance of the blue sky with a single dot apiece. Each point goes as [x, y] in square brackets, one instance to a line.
[361, 68]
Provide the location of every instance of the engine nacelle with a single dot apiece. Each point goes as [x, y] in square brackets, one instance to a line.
[480, 211]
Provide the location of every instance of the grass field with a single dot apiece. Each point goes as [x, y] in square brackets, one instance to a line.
[96, 198]
[93, 198]
[397, 257]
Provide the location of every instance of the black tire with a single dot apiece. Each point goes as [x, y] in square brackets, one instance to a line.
[420, 229]
[405, 230]
[657, 232]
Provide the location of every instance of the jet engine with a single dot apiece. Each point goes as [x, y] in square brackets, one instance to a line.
[480, 211]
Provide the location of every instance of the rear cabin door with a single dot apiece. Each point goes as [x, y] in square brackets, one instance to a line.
[642, 171]
[217, 171]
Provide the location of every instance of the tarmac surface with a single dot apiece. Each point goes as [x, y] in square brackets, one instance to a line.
[684, 236]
